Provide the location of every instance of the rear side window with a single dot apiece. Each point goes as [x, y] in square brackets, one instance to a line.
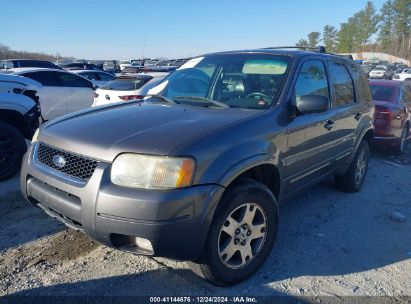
[312, 80]
[72, 80]
[343, 84]
[4, 64]
[105, 77]
[361, 83]
[407, 93]
[126, 84]
[46, 78]
[90, 75]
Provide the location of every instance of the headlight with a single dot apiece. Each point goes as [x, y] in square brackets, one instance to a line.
[34, 139]
[152, 172]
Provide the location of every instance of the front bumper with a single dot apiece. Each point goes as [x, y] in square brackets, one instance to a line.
[176, 222]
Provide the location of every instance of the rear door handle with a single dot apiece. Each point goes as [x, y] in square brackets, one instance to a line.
[329, 125]
[357, 116]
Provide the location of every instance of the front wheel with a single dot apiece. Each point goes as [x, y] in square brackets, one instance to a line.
[353, 179]
[241, 235]
[12, 148]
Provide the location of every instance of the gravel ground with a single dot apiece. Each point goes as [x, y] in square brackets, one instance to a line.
[329, 243]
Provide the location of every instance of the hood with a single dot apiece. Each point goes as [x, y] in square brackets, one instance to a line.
[139, 127]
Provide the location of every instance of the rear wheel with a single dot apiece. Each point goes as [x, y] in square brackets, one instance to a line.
[403, 140]
[353, 179]
[241, 235]
[12, 148]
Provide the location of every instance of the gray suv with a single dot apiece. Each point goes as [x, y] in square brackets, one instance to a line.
[195, 171]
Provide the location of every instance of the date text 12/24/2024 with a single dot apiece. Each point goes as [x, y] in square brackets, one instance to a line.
[239, 299]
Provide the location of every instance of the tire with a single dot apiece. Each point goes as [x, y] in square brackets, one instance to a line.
[353, 179]
[12, 148]
[403, 141]
[244, 198]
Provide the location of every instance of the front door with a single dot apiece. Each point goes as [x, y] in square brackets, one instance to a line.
[311, 136]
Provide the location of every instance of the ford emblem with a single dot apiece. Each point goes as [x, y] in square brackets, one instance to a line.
[59, 161]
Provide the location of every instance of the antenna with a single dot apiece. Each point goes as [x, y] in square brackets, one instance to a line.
[145, 39]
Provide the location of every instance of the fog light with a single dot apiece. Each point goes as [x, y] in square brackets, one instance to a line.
[144, 244]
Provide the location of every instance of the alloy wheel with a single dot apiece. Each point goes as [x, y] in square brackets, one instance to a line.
[242, 235]
[361, 166]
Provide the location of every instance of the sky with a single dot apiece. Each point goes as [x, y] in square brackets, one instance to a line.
[126, 29]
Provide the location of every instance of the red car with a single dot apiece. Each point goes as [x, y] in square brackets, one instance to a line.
[392, 101]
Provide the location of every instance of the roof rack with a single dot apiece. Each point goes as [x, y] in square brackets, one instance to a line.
[319, 49]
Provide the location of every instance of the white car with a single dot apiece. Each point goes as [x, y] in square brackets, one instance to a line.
[61, 92]
[405, 75]
[99, 78]
[124, 63]
[381, 72]
[126, 88]
[19, 119]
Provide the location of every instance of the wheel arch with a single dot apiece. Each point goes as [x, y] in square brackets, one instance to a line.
[16, 119]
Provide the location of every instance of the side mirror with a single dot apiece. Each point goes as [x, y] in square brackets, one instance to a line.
[312, 103]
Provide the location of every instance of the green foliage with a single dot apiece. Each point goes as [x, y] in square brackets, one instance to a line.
[391, 27]
[313, 39]
[330, 38]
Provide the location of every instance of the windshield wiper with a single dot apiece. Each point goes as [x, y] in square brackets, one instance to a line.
[168, 100]
[203, 100]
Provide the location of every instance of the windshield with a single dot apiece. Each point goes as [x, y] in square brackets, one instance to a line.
[380, 68]
[236, 80]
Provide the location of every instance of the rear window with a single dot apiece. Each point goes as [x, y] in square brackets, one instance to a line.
[130, 70]
[36, 64]
[126, 84]
[383, 93]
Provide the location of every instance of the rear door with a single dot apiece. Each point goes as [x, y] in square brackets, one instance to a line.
[350, 104]
[52, 96]
[311, 136]
[80, 91]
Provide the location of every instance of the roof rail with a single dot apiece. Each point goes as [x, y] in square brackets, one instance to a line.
[319, 48]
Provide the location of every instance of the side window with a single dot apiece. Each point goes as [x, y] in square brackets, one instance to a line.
[46, 78]
[72, 80]
[90, 75]
[343, 84]
[312, 80]
[105, 77]
[407, 94]
[361, 83]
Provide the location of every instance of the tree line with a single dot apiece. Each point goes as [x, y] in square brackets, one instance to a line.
[7, 53]
[387, 31]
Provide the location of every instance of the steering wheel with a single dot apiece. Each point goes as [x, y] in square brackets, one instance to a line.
[261, 95]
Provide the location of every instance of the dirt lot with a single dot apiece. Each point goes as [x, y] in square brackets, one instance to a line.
[330, 243]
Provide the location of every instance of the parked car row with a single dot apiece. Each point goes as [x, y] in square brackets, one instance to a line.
[387, 71]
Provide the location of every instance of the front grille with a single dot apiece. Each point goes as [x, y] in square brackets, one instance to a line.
[75, 165]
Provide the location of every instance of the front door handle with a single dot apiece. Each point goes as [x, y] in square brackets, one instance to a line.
[329, 125]
[357, 116]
